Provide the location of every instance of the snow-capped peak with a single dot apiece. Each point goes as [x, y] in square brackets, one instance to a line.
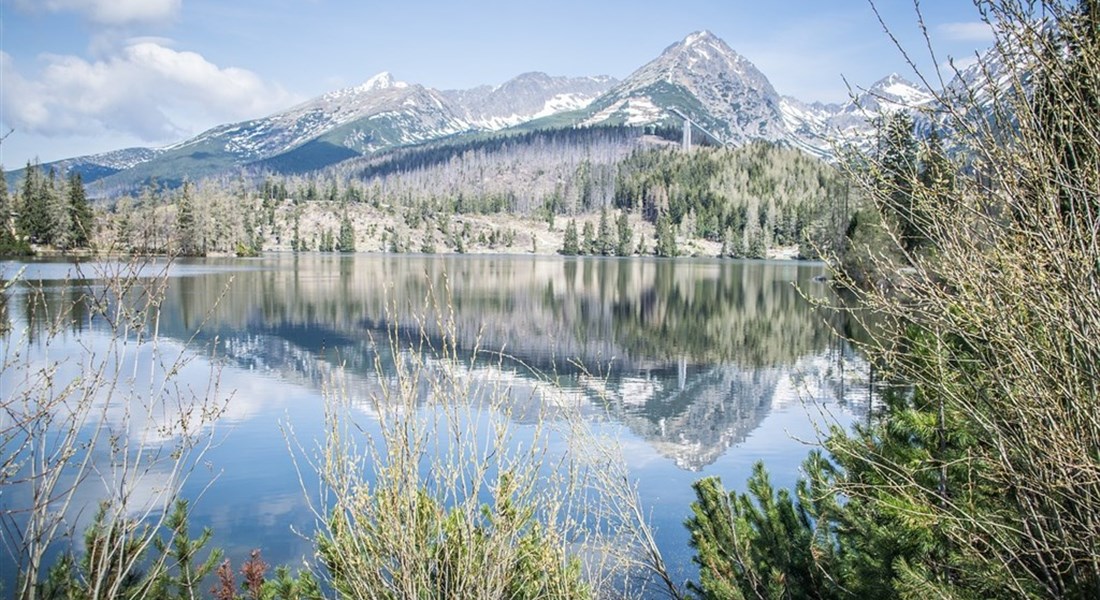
[704, 77]
[381, 81]
[698, 36]
[897, 90]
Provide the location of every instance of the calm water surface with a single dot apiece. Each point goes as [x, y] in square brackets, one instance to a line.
[703, 367]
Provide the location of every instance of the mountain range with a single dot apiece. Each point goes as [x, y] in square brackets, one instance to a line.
[700, 77]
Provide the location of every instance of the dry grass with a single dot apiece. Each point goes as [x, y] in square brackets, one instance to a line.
[451, 477]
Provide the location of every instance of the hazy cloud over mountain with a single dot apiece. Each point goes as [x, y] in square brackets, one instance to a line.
[145, 89]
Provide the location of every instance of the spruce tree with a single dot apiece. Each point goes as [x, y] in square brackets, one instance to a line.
[60, 233]
[187, 230]
[588, 243]
[625, 246]
[347, 235]
[898, 151]
[33, 220]
[605, 240]
[570, 245]
[296, 239]
[326, 244]
[80, 212]
[666, 237]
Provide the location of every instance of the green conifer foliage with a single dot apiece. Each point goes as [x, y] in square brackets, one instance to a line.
[34, 219]
[625, 243]
[570, 244]
[589, 245]
[666, 237]
[605, 240]
[80, 212]
[347, 235]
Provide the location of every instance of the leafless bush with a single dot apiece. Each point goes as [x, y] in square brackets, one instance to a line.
[468, 481]
[96, 418]
[1004, 297]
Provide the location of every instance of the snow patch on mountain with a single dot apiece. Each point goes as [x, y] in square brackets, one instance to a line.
[381, 81]
[525, 97]
[629, 111]
[563, 103]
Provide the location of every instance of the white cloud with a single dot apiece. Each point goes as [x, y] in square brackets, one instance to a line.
[970, 31]
[144, 89]
[110, 12]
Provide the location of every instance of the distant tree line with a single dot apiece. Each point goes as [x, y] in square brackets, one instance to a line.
[601, 242]
[749, 198]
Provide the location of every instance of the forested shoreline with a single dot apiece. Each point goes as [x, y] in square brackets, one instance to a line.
[510, 195]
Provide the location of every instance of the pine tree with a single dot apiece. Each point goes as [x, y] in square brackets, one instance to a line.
[755, 244]
[182, 553]
[80, 212]
[763, 544]
[570, 246]
[327, 243]
[33, 220]
[727, 244]
[625, 245]
[898, 150]
[666, 237]
[59, 214]
[187, 231]
[588, 240]
[605, 240]
[250, 246]
[347, 235]
[296, 239]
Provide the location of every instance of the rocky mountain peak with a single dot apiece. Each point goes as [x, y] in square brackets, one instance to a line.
[702, 36]
[703, 51]
[893, 92]
[704, 78]
[381, 81]
[527, 96]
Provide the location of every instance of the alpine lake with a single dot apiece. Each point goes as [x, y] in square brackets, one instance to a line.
[696, 367]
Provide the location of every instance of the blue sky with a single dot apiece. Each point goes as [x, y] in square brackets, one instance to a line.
[84, 76]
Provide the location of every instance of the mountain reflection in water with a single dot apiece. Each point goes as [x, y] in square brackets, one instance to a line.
[696, 367]
[689, 355]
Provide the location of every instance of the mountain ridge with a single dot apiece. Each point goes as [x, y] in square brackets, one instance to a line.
[700, 76]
